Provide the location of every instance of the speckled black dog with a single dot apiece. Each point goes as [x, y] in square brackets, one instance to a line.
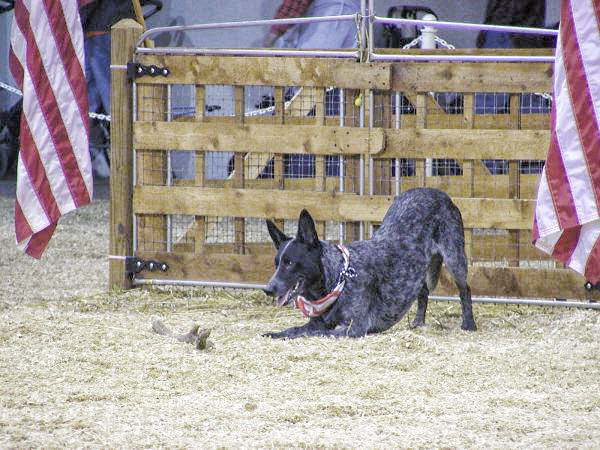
[368, 286]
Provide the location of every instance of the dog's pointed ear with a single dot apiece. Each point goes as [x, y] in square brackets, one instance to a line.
[277, 236]
[306, 230]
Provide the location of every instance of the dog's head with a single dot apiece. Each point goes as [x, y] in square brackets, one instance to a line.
[298, 266]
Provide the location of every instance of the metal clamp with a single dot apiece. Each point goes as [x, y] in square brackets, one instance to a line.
[135, 265]
[137, 70]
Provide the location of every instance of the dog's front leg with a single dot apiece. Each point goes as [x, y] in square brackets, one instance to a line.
[311, 328]
[347, 329]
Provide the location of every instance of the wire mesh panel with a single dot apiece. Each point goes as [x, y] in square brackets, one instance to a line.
[181, 233]
[151, 233]
[220, 230]
[151, 168]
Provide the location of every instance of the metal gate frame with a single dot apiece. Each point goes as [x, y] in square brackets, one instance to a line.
[365, 142]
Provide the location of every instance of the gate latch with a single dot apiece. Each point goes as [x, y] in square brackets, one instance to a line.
[135, 265]
[136, 70]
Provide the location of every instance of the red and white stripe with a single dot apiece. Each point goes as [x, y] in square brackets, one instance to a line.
[54, 173]
[567, 219]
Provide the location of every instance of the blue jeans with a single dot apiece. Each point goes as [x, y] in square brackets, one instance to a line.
[97, 72]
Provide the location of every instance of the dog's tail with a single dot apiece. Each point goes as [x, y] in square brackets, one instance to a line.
[433, 271]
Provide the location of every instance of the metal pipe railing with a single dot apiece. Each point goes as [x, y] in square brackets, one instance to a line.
[197, 283]
[484, 300]
[463, 58]
[248, 52]
[520, 301]
[466, 26]
[245, 23]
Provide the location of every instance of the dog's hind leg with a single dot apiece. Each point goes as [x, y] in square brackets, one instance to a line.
[457, 266]
[452, 247]
[468, 322]
[422, 300]
[433, 275]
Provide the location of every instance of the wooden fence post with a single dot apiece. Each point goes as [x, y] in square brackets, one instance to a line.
[124, 36]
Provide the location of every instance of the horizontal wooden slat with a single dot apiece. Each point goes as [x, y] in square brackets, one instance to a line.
[476, 212]
[493, 281]
[466, 144]
[501, 247]
[435, 121]
[442, 121]
[471, 77]
[310, 139]
[270, 71]
[520, 282]
[211, 267]
[411, 143]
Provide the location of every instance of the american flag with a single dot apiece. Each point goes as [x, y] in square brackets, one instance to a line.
[567, 221]
[54, 174]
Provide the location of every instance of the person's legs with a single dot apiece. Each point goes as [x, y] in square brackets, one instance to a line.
[94, 101]
[99, 63]
[97, 72]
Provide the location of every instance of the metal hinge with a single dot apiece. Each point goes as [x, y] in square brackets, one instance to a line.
[135, 265]
[136, 70]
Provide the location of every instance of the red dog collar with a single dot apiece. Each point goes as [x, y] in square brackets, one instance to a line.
[318, 307]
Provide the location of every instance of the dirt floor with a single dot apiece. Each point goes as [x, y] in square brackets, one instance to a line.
[81, 367]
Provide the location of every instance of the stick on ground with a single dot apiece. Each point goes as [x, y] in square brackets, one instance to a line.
[196, 336]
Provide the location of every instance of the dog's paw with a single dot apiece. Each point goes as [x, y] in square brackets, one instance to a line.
[417, 324]
[273, 335]
[469, 326]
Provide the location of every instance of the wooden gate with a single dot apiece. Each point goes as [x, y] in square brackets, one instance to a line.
[224, 142]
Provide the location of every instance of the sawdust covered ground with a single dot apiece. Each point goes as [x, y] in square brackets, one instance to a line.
[80, 367]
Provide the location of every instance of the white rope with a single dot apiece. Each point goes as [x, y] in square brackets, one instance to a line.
[20, 94]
